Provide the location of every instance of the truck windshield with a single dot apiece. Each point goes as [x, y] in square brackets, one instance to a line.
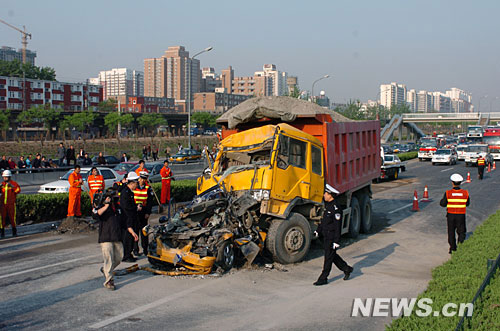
[429, 143]
[475, 129]
[477, 149]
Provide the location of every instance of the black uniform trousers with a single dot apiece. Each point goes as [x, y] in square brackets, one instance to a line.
[331, 256]
[128, 244]
[480, 171]
[144, 239]
[456, 223]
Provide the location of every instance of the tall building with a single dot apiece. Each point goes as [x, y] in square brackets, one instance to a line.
[168, 76]
[392, 94]
[209, 80]
[425, 102]
[277, 79]
[226, 77]
[461, 101]
[411, 100]
[217, 102]
[16, 94]
[292, 82]
[10, 54]
[441, 102]
[120, 83]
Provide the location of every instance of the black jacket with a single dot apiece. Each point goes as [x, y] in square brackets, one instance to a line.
[331, 224]
[129, 207]
[111, 225]
[87, 161]
[70, 154]
[4, 164]
[37, 163]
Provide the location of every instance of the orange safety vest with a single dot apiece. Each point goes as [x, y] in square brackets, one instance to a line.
[9, 192]
[480, 161]
[457, 200]
[96, 182]
[141, 195]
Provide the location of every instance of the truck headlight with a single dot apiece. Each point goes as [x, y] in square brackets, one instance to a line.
[260, 195]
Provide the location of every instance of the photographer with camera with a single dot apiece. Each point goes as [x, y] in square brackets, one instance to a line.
[129, 209]
[111, 226]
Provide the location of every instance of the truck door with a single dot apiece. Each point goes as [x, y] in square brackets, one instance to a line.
[291, 177]
[317, 176]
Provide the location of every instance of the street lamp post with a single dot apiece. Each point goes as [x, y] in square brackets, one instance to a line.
[208, 49]
[317, 80]
[479, 103]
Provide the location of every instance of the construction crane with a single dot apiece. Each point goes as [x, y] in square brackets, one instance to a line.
[24, 39]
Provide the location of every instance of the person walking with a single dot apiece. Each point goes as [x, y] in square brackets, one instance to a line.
[9, 190]
[75, 193]
[111, 228]
[481, 163]
[456, 202]
[61, 154]
[143, 196]
[166, 177]
[70, 155]
[130, 210]
[330, 229]
[95, 182]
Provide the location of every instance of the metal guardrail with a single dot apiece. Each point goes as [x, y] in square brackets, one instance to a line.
[449, 116]
[493, 265]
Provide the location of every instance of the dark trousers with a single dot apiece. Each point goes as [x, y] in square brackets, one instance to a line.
[144, 239]
[480, 171]
[456, 223]
[128, 244]
[331, 256]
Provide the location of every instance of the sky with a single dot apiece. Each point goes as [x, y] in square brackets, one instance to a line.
[426, 45]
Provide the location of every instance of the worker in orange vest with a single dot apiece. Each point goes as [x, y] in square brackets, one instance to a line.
[456, 201]
[75, 192]
[141, 168]
[166, 177]
[9, 189]
[143, 196]
[481, 163]
[95, 182]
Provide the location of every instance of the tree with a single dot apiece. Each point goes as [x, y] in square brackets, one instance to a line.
[4, 122]
[151, 121]
[204, 119]
[112, 120]
[79, 121]
[17, 69]
[50, 117]
[352, 110]
[108, 106]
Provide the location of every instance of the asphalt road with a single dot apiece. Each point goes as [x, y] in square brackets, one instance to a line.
[53, 281]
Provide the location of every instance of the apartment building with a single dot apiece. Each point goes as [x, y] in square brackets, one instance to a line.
[17, 93]
[292, 82]
[217, 102]
[392, 94]
[11, 54]
[120, 83]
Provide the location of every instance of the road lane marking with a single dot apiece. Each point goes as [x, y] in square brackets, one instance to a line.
[149, 306]
[446, 169]
[405, 206]
[47, 266]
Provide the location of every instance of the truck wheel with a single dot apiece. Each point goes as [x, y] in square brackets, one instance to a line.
[225, 255]
[289, 240]
[355, 222]
[366, 213]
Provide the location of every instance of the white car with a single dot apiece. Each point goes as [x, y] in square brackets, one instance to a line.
[62, 185]
[445, 156]
[461, 150]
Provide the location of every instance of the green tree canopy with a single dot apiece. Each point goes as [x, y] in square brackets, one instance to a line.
[79, 121]
[112, 119]
[4, 119]
[204, 119]
[109, 105]
[151, 121]
[16, 69]
[40, 114]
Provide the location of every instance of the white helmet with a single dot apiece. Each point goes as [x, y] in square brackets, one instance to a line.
[456, 178]
[6, 173]
[132, 176]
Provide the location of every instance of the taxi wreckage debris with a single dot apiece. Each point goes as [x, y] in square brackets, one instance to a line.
[205, 233]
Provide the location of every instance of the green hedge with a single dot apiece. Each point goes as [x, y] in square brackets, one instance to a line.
[38, 208]
[458, 280]
[407, 156]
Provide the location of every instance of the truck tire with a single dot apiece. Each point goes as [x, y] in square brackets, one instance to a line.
[355, 223]
[289, 240]
[366, 213]
[225, 255]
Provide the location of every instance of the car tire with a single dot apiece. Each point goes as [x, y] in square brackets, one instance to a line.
[225, 255]
[289, 240]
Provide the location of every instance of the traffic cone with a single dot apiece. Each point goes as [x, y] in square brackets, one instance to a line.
[426, 195]
[468, 178]
[415, 202]
[489, 167]
[494, 165]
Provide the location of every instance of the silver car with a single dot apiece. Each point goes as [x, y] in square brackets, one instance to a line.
[62, 185]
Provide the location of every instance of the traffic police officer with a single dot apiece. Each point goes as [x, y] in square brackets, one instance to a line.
[330, 229]
[481, 163]
[455, 200]
[143, 196]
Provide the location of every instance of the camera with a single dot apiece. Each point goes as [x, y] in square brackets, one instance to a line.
[100, 197]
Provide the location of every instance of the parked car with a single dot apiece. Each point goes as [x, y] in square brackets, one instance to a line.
[154, 170]
[387, 149]
[111, 161]
[185, 155]
[62, 185]
[445, 156]
[124, 167]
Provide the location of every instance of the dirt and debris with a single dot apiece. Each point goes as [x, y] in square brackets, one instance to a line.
[77, 225]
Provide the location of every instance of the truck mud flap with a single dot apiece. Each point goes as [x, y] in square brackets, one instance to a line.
[346, 219]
